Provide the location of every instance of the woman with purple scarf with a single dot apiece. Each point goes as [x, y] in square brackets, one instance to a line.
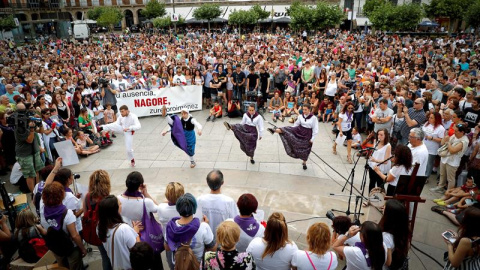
[56, 215]
[246, 131]
[183, 132]
[370, 253]
[249, 227]
[298, 139]
[344, 125]
[188, 230]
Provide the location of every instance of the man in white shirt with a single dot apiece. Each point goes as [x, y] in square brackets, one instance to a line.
[216, 206]
[120, 84]
[419, 150]
[179, 78]
[127, 123]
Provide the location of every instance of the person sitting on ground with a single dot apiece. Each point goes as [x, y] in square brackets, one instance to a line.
[84, 145]
[327, 112]
[472, 198]
[317, 255]
[455, 194]
[356, 139]
[215, 111]
[276, 101]
[26, 229]
[228, 257]
[234, 109]
[249, 226]
[277, 114]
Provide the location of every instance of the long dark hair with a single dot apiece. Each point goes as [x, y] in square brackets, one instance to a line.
[373, 241]
[108, 216]
[469, 226]
[395, 222]
[403, 156]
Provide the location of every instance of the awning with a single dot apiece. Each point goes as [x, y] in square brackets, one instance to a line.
[184, 12]
[428, 24]
[362, 21]
[282, 20]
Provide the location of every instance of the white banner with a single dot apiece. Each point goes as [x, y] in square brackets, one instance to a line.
[150, 102]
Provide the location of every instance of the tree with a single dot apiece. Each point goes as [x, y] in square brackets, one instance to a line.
[371, 5]
[383, 17]
[106, 16]
[471, 17]
[453, 9]
[207, 12]
[302, 16]
[393, 18]
[243, 17]
[154, 9]
[164, 22]
[7, 23]
[323, 15]
[327, 15]
[259, 12]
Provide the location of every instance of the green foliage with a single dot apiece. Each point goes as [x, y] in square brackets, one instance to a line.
[321, 16]
[259, 12]
[164, 22]
[154, 9]
[393, 18]
[372, 5]
[242, 17]
[207, 12]
[106, 16]
[453, 9]
[7, 23]
[472, 17]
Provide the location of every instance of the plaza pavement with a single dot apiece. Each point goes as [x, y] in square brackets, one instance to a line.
[278, 181]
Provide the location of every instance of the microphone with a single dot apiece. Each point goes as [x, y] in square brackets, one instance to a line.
[370, 148]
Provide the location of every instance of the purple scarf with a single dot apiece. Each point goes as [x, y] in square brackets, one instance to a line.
[362, 247]
[252, 116]
[308, 117]
[133, 194]
[67, 189]
[176, 235]
[54, 214]
[178, 136]
[249, 225]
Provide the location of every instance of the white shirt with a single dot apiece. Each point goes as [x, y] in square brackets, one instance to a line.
[132, 208]
[454, 160]
[166, 213]
[355, 258]
[396, 171]
[179, 79]
[357, 138]
[16, 174]
[245, 239]
[72, 203]
[202, 237]
[311, 123]
[420, 156]
[438, 132]
[379, 154]
[121, 85]
[217, 208]
[194, 121]
[130, 122]
[280, 260]
[321, 262]
[69, 219]
[125, 238]
[257, 121]
[346, 122]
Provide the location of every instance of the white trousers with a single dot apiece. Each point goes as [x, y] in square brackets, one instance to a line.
[128, 137]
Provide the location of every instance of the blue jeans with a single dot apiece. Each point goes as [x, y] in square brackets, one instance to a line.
[106, 265]
[237, 92]
[430, 163]
[358, 120]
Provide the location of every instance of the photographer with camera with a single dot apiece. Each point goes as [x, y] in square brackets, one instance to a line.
[27, 146]
[108, 94]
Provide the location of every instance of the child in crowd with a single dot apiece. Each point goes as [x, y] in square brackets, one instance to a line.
[109, 116]
[356, 139]
[472, 198]
[277, 114]
[328, 112]
[215, 112]
[322, 107]
[455, 194]
[290, 107]
[87, 146]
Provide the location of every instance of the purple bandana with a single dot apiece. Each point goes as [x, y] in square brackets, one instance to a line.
[249, 225]
[252, 116]
[176, 235]
[178, 136]
[67, 189]
[54, 215]
[362, 247]
[133, 194]
[308, 117]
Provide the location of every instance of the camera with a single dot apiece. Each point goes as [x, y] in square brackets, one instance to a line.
[76, 176]
[103, 82]
[22, 119]
[330, 215]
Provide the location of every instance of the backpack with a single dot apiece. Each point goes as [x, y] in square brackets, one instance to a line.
[58, 241]
[185, 258]
[90, 222]
[31, 249]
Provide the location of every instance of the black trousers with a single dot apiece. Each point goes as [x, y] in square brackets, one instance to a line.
[375, 180]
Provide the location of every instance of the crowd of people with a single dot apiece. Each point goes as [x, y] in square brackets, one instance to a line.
[416, 98]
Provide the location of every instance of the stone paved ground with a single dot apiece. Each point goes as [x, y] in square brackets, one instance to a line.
[278, 181]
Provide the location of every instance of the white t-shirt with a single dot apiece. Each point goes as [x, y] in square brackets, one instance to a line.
[121, 85]
[454, 160]
[438, 132]
[204, 236]
[69, 219]
[132, 209]
[357, 138]
[420, 156]
[355, 258]
[125, 239]
[166, 213]
[346, 122]
[396, 171]
[280, 260]
[217, 208]
[321, 262]
[72, 203]
[16, 173]
[245, 239]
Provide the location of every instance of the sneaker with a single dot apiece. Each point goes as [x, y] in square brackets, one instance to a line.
[252, 161]
[114, 136]
[304, 166]
[214, 118]
[275, 120]
[450, 206]
[437, 189]
[132, 162]
[193, 164]
[282, 119]
[271, 130]
[437, 200]
[442, 203]
[209, 118]
[227, 125]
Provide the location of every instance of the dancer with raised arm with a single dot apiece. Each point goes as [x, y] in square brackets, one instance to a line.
[127, 123]
[183, 132]
[298, 139]
[246, 131]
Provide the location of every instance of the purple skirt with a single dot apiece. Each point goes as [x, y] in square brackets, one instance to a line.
[247, 136]
[296, 141]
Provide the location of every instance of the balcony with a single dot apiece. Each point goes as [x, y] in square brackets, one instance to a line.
[33, 5]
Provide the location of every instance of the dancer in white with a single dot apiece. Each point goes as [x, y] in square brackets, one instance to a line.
[127, 123]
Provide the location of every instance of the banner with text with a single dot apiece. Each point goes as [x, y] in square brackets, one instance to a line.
[150, 102]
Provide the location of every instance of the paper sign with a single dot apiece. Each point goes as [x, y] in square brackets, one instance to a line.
[66, 151]
[340, 139]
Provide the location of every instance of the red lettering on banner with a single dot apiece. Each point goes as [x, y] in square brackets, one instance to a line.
[150, 102]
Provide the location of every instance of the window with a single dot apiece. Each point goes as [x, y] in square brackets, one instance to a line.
[394, 2]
